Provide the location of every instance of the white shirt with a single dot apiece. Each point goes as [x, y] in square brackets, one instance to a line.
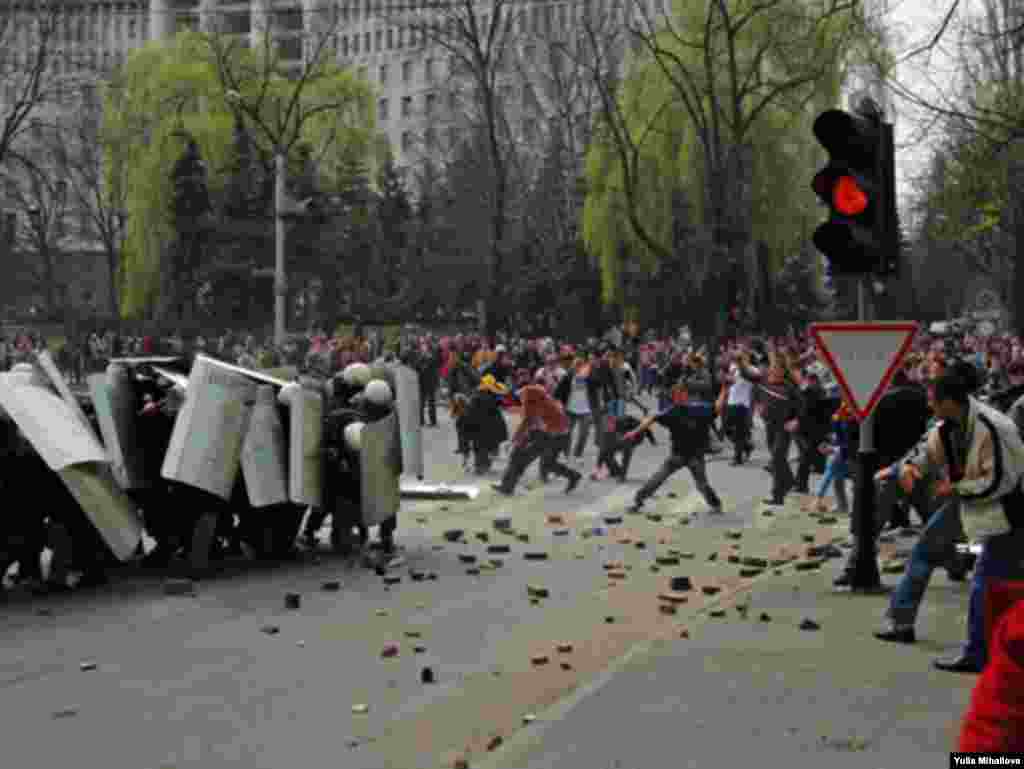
[741, 392]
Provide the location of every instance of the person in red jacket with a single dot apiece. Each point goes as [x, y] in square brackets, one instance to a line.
[994, 722]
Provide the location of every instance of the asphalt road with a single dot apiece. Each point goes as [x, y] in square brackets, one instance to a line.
[128, 678]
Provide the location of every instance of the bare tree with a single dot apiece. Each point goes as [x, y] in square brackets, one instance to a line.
[30, 68]
[480, 39]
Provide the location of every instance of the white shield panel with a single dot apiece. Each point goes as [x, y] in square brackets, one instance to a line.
[265, 453]
[47, 365]
[305, 462]
[379, 470]
[206, 445]
[106, 505]
[407, 403]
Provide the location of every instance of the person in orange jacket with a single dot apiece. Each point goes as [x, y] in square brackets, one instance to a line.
[994, 721]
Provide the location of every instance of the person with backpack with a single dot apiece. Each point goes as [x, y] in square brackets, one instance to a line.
[689, 425]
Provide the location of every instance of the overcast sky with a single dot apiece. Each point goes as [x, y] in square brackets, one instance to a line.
[913, 24]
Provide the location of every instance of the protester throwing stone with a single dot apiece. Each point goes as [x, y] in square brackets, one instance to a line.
[689, 425]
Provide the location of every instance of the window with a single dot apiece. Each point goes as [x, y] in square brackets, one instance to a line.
[428, 71]
[379, 40]
[355, 44]
[406, 71]
[382, 110]
[344, 45]
[401, 38]
[383, 74]
[406, 141]
[430, 103]
[412, 37]
[133, 28]
[391, 38]
[367, 43]
[406, 106]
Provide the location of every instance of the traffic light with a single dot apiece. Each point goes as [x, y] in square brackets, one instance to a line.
[858, 186]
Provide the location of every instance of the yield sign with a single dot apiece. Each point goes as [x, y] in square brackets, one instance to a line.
[863, 357]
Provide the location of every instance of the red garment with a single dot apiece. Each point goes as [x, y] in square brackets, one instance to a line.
[994, 722]
[148, 347]
[537, 404]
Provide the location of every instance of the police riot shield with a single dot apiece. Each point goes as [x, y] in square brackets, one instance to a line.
[71, 450]
[407, 404]
[305, 440]
[206, 445]
[387, 373]
[113, 397]
[379, 469]
[265, 452]
[57, 379]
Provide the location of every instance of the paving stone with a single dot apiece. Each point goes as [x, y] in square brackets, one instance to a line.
[392, 579]
[684, 633]
[711, 589]
[432, 576]
[529, 718]
[688, 555]
[673, 597]
[538, 591]
[564, 648]
[389, 650]
[85, 667]
[454, 535]
[523, 537]
[360, 709]
[179, 587]
[667, 608]
[556, 519]
[681, 584]
[461, 762]
[499, 549]
[617, 575]
[767, 513]
[331, 587]
[467, 558]
[809, 624]
[655, 569]
[612, 520]
[734, 534]
[413, 634]
[427, 676]
[69, 712]
[417, 576]
[624, 541]
[712, 557]
[807, 537]
[824, 551]
[759, 563]
[536, 555]
[494, 743]
[270, 629]
[565, 665]
[672, 495]
[560, 533]
[764, 617]
[609, 620]
[422, 519]
[473, 571]
[483, 536]
[749, 572]
[640, 545]
[667, 560]
[495, 563]
[654, 517]
[717, 613]
[502, 523]
[611, 565]
[540, 659]
[828, 520]
[807, 565]
[382, 612]
[733, 558]
[419, 649]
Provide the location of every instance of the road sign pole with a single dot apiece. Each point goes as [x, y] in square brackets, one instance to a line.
[865, 577]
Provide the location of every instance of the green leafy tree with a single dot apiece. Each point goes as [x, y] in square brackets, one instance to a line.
[717, 97]
[200, 85]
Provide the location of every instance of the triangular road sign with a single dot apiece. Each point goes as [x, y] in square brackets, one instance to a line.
[863, 357]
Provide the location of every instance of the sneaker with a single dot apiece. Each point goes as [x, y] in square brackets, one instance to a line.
[902, 634]
[574, 481]
[772, 502]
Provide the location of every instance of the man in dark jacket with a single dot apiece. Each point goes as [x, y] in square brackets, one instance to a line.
[428, 366]
[782, 403]
[816, 410]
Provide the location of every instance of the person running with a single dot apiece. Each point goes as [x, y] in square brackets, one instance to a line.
[541, 411]
[689, 425]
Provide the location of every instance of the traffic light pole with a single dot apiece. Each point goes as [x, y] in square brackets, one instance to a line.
[865, 577]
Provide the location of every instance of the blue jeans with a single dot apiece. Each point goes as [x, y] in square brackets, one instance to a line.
[934, 548]
[617, 408]
[836, 470]
[991, 565]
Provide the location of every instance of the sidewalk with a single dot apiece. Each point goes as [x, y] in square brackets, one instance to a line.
[742, 692]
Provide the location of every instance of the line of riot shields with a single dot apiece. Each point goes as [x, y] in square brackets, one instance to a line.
[209, 459]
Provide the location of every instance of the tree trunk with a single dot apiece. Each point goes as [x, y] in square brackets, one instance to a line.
[1016, 192]
[112, 276]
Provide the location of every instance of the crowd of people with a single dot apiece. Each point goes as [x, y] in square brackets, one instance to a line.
[947, 431]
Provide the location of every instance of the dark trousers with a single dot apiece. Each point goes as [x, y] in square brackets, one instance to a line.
[428, 405]
[782, 473]
[615, 444]
[737, 428]
[674, 463]
[540, 445]
[811, 460]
